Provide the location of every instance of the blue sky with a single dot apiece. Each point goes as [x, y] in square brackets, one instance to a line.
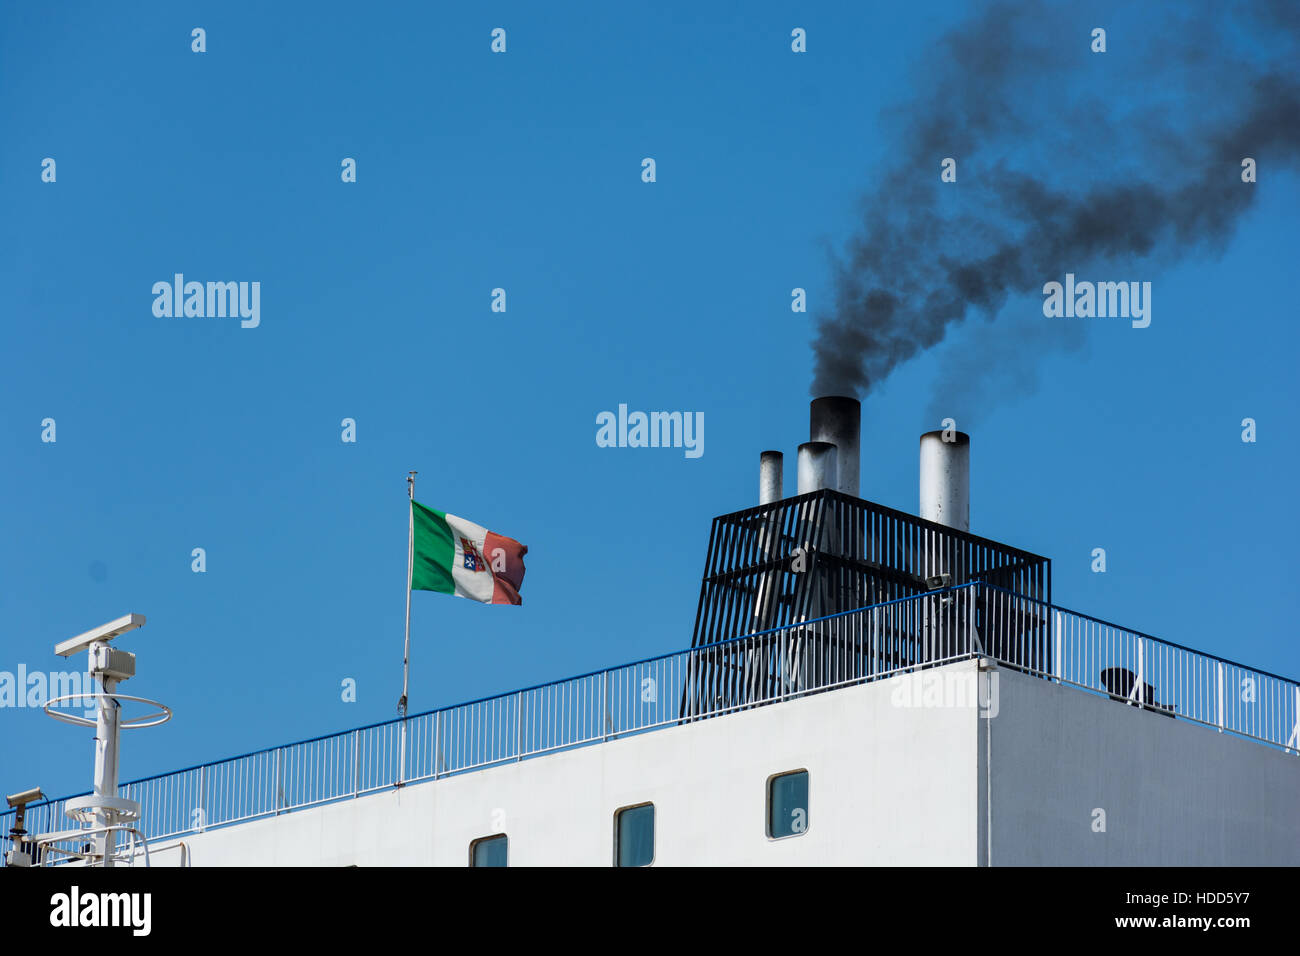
[523, 171]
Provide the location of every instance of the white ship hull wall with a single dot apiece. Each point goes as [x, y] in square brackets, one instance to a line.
[1173, 792]
[889, 785]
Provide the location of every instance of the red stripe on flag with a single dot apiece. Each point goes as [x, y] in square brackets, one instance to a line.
[506, 581]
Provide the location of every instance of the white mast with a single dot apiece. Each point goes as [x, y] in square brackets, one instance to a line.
[104, 810]
[406, 648]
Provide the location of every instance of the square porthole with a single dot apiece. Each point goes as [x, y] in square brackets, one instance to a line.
[787, 804]
[489, 851]
[634, 835]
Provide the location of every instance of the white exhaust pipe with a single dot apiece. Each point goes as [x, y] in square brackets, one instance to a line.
[771, 464]
[816, 466]
[945, 479]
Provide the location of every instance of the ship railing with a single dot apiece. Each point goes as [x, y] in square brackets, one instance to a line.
[976, 620]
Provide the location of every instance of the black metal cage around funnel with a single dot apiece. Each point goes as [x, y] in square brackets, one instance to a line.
[787, 564]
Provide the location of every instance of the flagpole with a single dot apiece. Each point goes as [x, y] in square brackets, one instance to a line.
[406, 647]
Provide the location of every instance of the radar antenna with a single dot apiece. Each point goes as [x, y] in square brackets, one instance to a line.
[102, 815]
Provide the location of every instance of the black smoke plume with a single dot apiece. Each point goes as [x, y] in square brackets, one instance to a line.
[1067, 160]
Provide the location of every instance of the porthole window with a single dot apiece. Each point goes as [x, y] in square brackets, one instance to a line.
[787, 804]
[634, 835]
[489, 851]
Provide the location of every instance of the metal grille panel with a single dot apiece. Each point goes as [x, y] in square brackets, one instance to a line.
[823, 553]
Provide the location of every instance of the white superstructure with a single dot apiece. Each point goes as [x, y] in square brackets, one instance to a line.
[864, 687]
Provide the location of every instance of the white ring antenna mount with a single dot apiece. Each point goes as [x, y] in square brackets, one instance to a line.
[160, 716]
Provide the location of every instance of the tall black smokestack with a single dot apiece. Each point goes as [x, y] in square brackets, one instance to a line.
[838, 420]
[1066, 160]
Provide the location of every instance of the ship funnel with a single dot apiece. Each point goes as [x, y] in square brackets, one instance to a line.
[816, 466]
[945, 478]
[837, 419]
[770, 466]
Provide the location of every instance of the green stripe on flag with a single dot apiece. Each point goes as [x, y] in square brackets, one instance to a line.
[434, 551]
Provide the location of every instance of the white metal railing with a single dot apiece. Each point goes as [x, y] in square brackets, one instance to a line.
[973, 620]
[1174, 680]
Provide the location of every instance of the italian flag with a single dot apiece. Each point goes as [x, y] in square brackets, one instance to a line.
[459, 557]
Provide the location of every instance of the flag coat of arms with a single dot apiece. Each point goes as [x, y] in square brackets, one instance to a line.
[455, 556]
